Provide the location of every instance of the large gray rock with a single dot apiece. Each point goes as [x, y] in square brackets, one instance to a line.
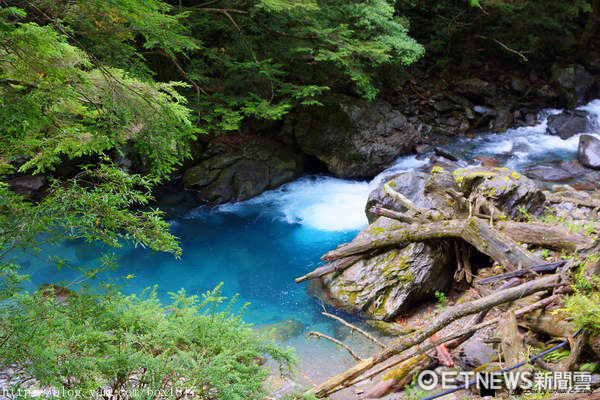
[474, 352]
[246, 171]
[27, 185]
[568, 123]
[409, 183]
[510, 191]
[384, 285]
[550, 172]
[354, 138]
[575, 84]
[588, 152]
[476, 89]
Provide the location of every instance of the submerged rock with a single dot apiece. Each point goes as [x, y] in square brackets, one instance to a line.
[254, 166]
[588, 152]
[568, 123]
[354, 138]
[283, 330]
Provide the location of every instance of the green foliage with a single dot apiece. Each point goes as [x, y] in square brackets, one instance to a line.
[76, 96]
[56, 103]
[256, 59]
[455, 33]
[441, 299]
[412, 391]
[591, 367]
[110, 343]
[585, 310]
[557, 355]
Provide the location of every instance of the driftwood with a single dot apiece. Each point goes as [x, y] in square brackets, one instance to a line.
[419, 213]
[511, 342]
[335, 266]
[449, 315]
[354, 328]
[549, 324]
[499, 242]
[322, 335]
[399, 376]
[455, 338]
[522, 272]
[475, 231]
[552, 236]
[546, 235]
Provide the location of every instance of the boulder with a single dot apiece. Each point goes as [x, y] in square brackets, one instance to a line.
[549, 173]
[503, 120]
[509, 190]
[575, 84]
[476, 89]
[27, 185]
[474, 352]
[568, 123]
[588, 151]
[409, 183]
[245, 171]
[354, 138]
[384, 285]
[518, 84]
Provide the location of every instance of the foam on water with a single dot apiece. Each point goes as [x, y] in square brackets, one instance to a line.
[320, 202]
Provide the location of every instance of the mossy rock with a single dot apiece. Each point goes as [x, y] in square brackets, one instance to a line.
[510, 191]
[388, 283]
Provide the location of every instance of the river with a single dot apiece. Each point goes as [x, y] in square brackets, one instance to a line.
[258, 247]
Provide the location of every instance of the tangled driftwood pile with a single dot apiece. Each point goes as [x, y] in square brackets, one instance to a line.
[486, 210]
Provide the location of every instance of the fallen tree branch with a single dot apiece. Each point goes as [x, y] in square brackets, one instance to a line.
[386, 212]
[322, 335]
[354, 328]
[448, 316]
[521, 272]
[475, 231]
[461, 334]
[337, 265]
[552, 236]
[420, 213]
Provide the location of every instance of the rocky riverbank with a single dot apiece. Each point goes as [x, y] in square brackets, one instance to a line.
[351, 138]
[478, 233]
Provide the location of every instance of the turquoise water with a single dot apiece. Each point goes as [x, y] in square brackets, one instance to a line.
[252, 248]
[256, 248]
